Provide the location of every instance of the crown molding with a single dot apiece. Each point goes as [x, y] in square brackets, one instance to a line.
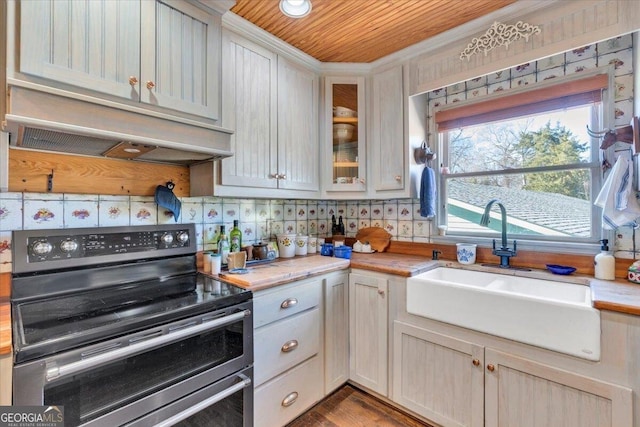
[237, 24]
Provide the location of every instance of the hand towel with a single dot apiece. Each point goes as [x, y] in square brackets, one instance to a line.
[165, 198]
[617, 197]
[428, 193]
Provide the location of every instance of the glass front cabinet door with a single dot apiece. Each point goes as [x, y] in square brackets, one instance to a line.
[345, 134]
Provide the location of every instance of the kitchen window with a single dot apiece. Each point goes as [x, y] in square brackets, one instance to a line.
[529, 149]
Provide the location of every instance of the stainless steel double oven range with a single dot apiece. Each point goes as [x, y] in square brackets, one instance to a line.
[116, 325]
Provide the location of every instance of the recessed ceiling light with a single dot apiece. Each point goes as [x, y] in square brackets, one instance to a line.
[131, 150]
[295, 8]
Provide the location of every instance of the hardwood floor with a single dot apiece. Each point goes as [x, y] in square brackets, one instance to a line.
[351, 407]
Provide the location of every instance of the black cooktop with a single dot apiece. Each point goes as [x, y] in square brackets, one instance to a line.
[49, 326]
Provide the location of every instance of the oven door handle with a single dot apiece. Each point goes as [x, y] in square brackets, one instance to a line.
[245, 382]
[58, 372]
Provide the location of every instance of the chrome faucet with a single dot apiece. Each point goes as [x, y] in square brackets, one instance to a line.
[504, 252]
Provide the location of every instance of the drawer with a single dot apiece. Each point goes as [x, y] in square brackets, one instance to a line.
[285, 397]
[282, 345]
[278, 303]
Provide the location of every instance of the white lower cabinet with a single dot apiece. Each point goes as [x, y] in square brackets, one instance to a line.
[288, 357]
[457, 383]
[336, 331]
[368, 346]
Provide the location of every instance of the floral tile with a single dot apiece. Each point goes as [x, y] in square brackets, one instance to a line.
[323, 227]
[499, 87]
[405, 229]
[81, 213]
[523, 70]
[437, 93]
[377, 210]
[554, 61]
[622, 61]
[43, 196]
[624, 87]
[312, 210]
[352, 210]
[416, 209]
[377, 223]
[313, 227]
[113, 211]
[476, 82]
[40, 214]
[421, 228]
[391, 225]
[322, 210]
[498, 76]
[390, 210]
[212, 213]
[247, 212]
[364, 223]
[623, 112]
[209, 236]
[615, 44]
[364, 210]
[263, 232]
[351, 227]
[290, 227]
[341, 210]
[249, 234]
[262, 212]
[301, 212]
[455, 88]
[452, 99]
[581, 53]
[143, 213]
[191, 212]
[10, 214]
[289, 211]
[165, 216]
[523, 80]
[230, 212]
[5, 251]
[580, 66]
[302, 227]
[277, 210]
[435, 103]
[199, 237]
[476, 92]
[277, 227]
[550, 73]
[332, 210]
[405, 211]
[624, 239]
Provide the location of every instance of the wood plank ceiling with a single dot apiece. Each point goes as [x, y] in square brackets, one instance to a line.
[363, 30]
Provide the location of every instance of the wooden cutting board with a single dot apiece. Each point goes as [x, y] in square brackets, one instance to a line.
[377, 237]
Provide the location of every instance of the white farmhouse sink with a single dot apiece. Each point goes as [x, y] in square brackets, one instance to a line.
[545, 313]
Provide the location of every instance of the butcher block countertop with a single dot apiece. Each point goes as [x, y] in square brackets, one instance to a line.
[5, 327]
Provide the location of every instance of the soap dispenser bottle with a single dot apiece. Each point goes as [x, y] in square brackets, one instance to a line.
[605, 263]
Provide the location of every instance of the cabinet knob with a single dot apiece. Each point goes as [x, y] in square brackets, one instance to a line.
[289, 302]
[133, 80]
[289, 346]
[290, 399]
[475, 362]
[283, 176]
[490, 367]
[150, 85]
[380, 292]
[398, 178]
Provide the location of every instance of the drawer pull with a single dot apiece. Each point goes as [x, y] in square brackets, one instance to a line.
[290, 399]
[289, 346]
[289, 302]
[491, 367]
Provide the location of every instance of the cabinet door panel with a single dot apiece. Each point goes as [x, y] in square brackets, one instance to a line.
[250, 101]
[336, 313]
[298, 149]
[523, 393]
[387, 136]
[368, 332]
[180, 57]
[94, 45]
[439, 377]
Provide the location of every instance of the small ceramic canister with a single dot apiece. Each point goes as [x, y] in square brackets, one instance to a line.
[206, 262]
[466, 253]
[301, 245]
[312, 245]
[216, 263]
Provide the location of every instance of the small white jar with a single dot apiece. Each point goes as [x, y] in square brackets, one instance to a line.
[466, 253]
[301, 245]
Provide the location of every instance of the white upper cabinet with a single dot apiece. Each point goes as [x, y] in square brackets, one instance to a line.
[297, 128]
[388, 161]
[161, 53]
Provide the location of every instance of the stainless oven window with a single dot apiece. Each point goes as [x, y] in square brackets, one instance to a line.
[98, 391]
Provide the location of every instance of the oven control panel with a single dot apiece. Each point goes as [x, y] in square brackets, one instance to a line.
[50, 248]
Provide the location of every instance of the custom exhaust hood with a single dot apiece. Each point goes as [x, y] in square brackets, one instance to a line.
[50, 122]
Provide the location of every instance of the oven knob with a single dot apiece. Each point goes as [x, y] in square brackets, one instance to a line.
[167, 238]
[183, 237]
[42, 248]
[68, 246]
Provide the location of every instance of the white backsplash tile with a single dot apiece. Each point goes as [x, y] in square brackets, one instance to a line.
[42, 214]
[79, 213]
